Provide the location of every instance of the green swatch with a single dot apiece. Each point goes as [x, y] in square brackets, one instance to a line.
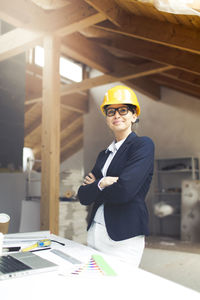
[103, 265]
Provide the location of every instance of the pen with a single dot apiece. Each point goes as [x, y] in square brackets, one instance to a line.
[11, 249]
[47, 248]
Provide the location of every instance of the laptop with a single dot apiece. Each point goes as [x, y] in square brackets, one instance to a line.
[23, 264]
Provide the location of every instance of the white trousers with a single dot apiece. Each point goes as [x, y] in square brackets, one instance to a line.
[127, 251]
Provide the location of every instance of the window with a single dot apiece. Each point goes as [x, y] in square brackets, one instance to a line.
[68, 68]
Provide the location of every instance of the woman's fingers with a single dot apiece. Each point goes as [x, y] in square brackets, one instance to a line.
[106, 181]
[90, 178]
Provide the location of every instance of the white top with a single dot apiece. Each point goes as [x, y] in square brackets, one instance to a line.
[114, 147]
[51, 285]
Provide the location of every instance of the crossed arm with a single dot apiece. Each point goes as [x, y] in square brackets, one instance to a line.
[135, 176]
[105, 181]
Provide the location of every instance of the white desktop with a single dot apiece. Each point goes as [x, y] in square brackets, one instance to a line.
[77, 279]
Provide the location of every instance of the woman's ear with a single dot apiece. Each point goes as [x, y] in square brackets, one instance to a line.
[134, 118]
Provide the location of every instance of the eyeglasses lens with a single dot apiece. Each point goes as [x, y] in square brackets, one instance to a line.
[110, 112]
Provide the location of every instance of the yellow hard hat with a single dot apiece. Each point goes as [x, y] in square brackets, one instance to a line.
[120, 94]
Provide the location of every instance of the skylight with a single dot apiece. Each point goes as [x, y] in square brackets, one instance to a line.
[68, 68]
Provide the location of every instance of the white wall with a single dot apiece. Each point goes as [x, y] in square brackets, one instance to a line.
[173, 123]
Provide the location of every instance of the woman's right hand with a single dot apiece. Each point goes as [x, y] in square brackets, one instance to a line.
[108, 180]
[90, 178]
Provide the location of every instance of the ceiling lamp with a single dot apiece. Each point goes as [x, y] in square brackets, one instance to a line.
[182, 7]
[50, 4]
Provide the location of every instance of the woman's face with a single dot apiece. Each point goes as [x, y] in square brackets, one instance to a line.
[121, 123]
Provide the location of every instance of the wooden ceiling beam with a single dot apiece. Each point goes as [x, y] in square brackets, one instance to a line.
[127, 72]
[35, 129]
[73, 102]
[34, 69]
[84, 23]
[145, 86]
[71, 144]
[71, 18]
[162, 33]
[33, 101]
[88, 52]
[67, 125]
[71, 136]
[12, 12]
[32, 127]
[135, 71]
[71, 120]
[183, 76]
[65, 154]
[39, 19]
[34, 138]
[32, 109]
[158, 53]
[95, 32]
[27, 108]
[17, 41]
[153, 30]
[33, 88]
[34, 79]
[67, 129]
[78, 145]
[183, 87]
[110, 9]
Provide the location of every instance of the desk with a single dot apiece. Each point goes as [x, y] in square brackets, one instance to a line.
[128, 284]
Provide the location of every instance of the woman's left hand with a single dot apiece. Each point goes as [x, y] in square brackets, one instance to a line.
[90, 178]
[107, 180]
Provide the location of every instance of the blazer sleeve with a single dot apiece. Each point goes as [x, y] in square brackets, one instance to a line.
[87, 194]
[135, 175]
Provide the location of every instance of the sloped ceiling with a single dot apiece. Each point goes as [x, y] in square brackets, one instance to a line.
[127, 40]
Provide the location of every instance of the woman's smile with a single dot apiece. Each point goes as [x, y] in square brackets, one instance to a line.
[117, 122]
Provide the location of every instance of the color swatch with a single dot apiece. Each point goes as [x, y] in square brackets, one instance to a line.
[96, 266]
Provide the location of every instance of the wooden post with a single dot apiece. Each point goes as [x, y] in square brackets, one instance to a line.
[50, 153]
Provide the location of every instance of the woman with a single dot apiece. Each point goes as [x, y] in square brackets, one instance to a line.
[119, 182]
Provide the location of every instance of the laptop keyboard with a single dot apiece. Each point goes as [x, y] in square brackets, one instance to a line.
[9, 264]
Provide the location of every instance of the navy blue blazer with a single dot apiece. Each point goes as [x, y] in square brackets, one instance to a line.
[125, 211]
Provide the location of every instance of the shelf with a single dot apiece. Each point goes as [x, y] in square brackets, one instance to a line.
[170, 173]
[178, 171]
[169, 216]
[174, 215]
[167, 194]
[184, 158]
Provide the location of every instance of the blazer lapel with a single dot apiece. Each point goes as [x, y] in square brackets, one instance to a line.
[123, 147]
[101, 161]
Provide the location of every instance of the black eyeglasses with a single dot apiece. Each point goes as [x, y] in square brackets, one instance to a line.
[122, 110]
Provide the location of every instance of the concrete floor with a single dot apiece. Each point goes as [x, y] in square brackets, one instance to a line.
[173, 260]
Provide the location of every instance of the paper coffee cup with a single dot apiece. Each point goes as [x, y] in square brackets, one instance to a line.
[1, 243]
[4, 223]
